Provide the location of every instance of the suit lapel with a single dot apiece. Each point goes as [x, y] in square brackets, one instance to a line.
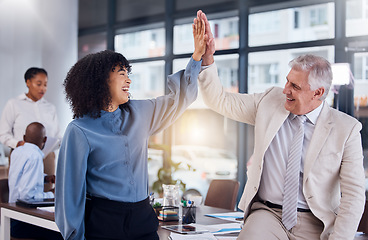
[319, 137]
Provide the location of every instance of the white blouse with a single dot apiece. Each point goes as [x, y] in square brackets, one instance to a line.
[21, 111]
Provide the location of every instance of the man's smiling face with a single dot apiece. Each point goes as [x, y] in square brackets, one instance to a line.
[300, 99]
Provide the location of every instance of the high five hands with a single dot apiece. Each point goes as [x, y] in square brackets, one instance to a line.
[210, 49]
[200, 39]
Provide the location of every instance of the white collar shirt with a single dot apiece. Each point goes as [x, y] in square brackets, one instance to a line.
[21, 111]
[276, 157]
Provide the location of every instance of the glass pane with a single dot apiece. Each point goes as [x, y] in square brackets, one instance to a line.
[206, 150]
[148, 80]
[268, 69]
[356, 18]
[361, 81]
[298, 24]
[128, 9]
[190, 4]
[225, 32]
[92, 13]
[91, 44]
[361, 102]
[141, 44]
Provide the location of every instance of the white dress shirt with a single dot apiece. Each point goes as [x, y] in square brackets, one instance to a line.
[21, 111]
[26, 177]
[276, 158]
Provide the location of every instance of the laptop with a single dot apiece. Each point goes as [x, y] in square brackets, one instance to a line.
[34, 203]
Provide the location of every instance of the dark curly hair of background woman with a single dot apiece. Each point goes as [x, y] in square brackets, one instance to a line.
[86, 84]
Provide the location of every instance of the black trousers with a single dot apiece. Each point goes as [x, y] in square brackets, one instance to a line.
[25, 230]
[107, 219]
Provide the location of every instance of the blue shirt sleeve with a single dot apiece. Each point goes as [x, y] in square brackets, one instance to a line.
[70, 186]
[183, 90]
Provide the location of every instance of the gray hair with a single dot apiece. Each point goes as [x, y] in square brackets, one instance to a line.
[320, 73]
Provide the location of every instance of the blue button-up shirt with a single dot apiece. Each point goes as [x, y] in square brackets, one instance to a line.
[107, 157]
[26, 177]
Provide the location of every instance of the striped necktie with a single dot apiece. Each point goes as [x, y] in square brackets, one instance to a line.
[291, 187]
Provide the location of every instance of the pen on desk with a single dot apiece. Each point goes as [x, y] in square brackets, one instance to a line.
[239, 218]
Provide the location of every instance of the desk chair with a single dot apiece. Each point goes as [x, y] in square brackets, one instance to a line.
[363, 225]
[4, 198]
[222, 193]
[4, 190]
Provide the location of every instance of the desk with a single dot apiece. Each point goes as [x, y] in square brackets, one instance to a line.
[200, 219]
[34, 216]
[46, 219]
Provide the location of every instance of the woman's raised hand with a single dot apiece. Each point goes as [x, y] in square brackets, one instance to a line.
[200, 38]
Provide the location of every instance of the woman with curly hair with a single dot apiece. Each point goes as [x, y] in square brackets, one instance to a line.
[102, 178]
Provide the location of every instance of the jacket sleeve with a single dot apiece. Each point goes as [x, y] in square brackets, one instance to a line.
[352, 184]
[70, 185]
[237, 106]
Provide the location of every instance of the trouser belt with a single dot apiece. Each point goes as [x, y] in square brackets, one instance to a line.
[273, 205]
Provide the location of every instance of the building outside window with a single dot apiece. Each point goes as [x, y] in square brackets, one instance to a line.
[141, 44]
[290, 25]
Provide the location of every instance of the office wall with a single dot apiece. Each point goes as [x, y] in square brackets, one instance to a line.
[38, 33]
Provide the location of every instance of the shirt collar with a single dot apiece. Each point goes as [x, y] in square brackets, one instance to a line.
[312, 116]
[34, 147]
[23, 96]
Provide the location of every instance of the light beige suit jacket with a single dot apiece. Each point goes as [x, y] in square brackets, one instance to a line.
[333, 182]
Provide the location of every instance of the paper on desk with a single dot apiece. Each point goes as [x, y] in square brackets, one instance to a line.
[230, 216]
[223, 228]
[51, 145]
[49, 209]
[201, 236]
[226, 238]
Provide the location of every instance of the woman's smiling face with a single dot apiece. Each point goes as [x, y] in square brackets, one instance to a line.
[119, 84]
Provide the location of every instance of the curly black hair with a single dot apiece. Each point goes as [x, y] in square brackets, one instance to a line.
[86, 84]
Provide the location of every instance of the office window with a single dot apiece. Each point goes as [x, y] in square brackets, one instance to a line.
[148, 80]
[141, 44]
[205, 142]
[91, 44]
[356, 18]
[264, 74]
[267, 69]
[128, 9]
[318, 16]
[361, 67]
[296, 19]
[189, 4]
[290, 25]
[360, 73]
[92, 13]
[225, 32]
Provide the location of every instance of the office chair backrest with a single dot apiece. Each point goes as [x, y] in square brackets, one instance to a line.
[222, 193]
[363, 225]
[4, 190]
